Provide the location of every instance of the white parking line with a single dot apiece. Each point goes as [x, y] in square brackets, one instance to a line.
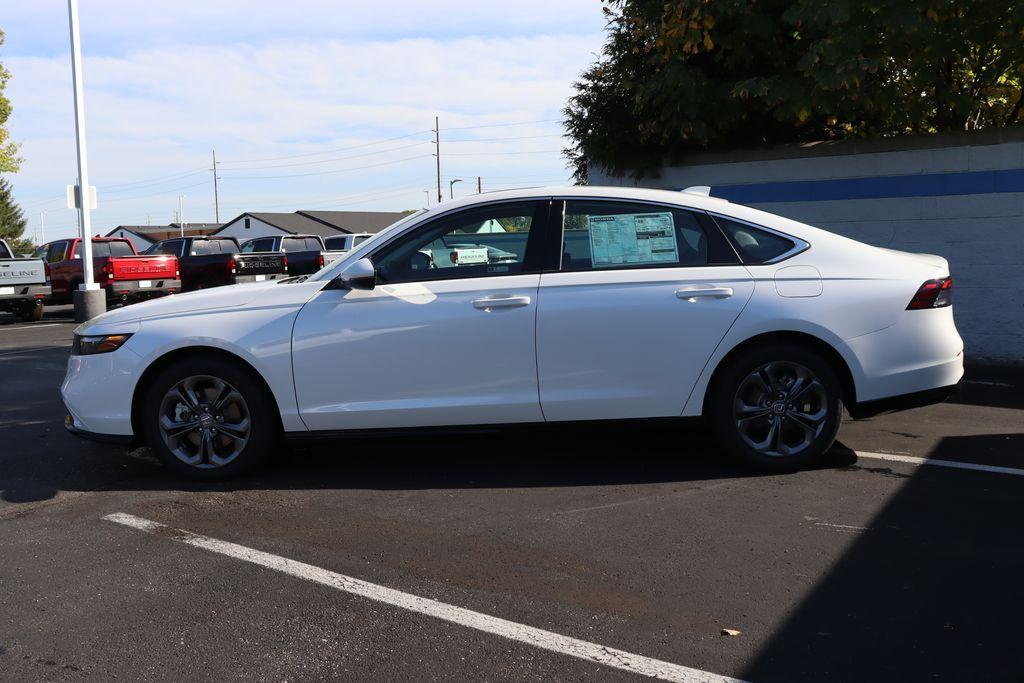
[988, 384]
[546, 640]
[1015, 471]
[31, 327]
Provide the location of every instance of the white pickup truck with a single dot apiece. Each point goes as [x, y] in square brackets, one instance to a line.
[24, 284]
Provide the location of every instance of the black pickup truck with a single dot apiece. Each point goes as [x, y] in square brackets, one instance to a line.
[306, 253]
[214, 261]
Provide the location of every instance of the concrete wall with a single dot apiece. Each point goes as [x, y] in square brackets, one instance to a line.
[963, 200]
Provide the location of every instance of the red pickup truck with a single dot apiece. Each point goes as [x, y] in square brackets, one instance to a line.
[125, 275]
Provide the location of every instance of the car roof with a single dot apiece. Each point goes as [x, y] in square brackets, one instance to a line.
[682, 199]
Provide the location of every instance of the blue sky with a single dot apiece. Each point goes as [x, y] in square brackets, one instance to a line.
[309, 104]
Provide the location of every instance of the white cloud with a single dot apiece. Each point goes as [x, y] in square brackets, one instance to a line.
[156, 111]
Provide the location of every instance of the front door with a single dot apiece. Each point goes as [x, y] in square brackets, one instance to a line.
[445, 338]
[642, 297]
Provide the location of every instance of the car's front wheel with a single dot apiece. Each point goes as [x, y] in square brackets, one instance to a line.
[778, 407]
[208, 419]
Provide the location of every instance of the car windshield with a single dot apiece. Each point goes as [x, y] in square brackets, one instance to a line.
[332, 269]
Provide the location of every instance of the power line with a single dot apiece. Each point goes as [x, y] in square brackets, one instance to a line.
[506, 125]
[490, 154]
[326, 161]
[330, 151]
[340, 170]
[518, 137]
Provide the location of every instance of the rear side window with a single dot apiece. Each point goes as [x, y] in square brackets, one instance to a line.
[56, 252]
[754, 245]
[336, 243]
[602, 235]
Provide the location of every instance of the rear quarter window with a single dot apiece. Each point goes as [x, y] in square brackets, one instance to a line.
[755, 245]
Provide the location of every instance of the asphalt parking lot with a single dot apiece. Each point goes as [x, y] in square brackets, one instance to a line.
[899, 559]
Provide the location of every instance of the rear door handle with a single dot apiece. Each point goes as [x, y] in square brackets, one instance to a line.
[487, 304]
[704, 292]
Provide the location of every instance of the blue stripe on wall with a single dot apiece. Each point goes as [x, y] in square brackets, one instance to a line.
[920, 185]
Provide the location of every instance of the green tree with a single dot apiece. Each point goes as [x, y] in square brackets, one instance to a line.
[9, 159]
[713, 74]
[12, 220]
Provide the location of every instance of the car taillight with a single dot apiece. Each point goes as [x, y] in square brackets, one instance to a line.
[455, 257]
[320, 261]
[286, 264]
[231, 265]
[933, 294]
[108, 270]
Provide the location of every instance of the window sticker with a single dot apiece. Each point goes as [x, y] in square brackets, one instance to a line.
[632, 238]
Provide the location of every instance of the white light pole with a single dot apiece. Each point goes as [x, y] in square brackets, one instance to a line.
[89, 300]
[42, 227]
[181, 216]
[451, 186]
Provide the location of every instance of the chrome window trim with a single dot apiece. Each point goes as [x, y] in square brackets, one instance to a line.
[799, 245]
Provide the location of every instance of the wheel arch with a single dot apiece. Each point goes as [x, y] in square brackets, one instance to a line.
[162, 362]
[826, 350]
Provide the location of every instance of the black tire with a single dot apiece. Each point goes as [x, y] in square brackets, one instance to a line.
[33, 314]
[735, 407]
[264, 421]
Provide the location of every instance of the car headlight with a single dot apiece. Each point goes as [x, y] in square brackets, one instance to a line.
[90, 344]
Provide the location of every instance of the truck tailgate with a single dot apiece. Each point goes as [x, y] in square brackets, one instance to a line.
[142, 267]
[261, 263]
[18, 271]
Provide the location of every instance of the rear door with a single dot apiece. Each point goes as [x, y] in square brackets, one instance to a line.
[637, 301]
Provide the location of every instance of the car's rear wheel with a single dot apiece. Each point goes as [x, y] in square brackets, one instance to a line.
[777, 407]
[209, 419]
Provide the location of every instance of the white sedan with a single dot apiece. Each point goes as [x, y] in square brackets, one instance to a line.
[620, 304]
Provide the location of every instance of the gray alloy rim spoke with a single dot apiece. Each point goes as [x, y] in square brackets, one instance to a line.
[175, 429]
[204, 421]
[780, 408]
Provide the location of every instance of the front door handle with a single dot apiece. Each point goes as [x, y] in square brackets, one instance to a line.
[487, 304]
[704, 292]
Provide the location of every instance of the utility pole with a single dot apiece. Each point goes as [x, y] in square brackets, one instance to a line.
[427, 192]
[216, 200]
[89, 300]
[451, 188]
[181, 216]
[437, 153]
[479, 185]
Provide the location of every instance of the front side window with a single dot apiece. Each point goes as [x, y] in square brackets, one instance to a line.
[478, 242]
[754, 245]
[602, 235]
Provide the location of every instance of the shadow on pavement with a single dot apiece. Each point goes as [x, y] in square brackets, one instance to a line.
[547, 456]
[904, 603]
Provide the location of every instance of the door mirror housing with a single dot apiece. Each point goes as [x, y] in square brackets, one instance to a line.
[359, 275]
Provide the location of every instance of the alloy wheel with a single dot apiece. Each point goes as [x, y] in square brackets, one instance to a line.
[780, 408]
[204, 421]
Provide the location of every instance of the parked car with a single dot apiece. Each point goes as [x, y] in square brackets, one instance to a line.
[214, 261]
[306, 253]
[626, 304]
[346, 242]
[125, 275]
[24, 284]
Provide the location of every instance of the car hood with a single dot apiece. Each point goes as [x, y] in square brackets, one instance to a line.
[231, 296]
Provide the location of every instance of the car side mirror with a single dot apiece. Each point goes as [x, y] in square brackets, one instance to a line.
[359, 275]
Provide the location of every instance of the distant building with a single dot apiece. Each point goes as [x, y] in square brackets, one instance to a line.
[324, 223]
[145, 236]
